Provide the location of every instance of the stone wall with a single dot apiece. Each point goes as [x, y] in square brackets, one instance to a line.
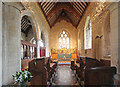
[104, 18]
[57, 28]
[1, 45]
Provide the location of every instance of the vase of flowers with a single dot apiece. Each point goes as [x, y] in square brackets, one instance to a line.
[22, 77]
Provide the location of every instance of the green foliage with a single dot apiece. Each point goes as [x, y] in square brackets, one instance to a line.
[22, 76]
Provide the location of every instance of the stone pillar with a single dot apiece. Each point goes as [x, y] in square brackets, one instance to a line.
[11, 31]
[0, 44]
[114, 35]
[38, 48]
[28, 51]
[119, 38]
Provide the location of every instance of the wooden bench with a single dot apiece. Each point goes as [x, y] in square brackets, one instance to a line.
[86, 62]
[102, 76]
[24, 64]
[86, 65]
[41, 70]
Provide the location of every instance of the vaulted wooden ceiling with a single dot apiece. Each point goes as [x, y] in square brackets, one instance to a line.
[69, 11]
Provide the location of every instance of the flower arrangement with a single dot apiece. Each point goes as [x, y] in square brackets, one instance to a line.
[22, 77]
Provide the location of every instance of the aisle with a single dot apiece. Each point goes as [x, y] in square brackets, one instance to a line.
[64, 76]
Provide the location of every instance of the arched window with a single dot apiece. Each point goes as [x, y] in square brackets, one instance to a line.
[63, 40]
[42, 41]
[88, 34]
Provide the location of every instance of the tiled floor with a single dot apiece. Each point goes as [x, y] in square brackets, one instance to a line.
[64, 76]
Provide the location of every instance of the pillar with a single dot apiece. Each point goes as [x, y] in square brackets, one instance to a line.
[114, 35]
[0, 44]
[38, 48]
[119, 36]
[11, 31]
[28, 51]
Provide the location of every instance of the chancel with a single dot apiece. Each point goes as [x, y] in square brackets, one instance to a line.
[60, 43]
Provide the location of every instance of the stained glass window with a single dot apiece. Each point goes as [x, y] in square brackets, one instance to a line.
[63, 40]
[88, 34]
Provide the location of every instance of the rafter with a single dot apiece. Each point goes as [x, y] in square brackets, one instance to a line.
[63, 6]
[73, 10]
[71, 21]
[77, 7]
[48, 7]
[57, 17]
[43, 13]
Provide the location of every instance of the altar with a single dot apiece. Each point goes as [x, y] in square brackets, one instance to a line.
[64, 54]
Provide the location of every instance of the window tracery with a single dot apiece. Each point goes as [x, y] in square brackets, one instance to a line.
[64, 40]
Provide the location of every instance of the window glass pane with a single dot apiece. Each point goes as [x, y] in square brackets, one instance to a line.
[63, 32]
[61, 35]
[65, 35]
[88, 34]
[63, 40]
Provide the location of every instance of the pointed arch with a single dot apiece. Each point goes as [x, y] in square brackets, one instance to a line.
[64, 39]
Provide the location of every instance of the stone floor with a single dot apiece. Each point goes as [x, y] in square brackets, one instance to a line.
[64, 76]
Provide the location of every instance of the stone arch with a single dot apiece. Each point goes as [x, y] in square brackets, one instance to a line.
[33, 22]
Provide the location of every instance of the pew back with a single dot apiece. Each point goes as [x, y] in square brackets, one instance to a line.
[39, 71]
[102, 76]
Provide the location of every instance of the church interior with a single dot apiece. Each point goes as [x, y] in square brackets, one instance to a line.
[68, 43]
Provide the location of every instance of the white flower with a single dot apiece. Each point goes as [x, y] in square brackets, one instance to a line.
[26, 76]
[20, 78]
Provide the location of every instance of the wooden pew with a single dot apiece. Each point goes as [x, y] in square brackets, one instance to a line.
[86, 62]
[41, 70]
[102, 76]
[24, 64]
[50, 67]
[89, 70]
